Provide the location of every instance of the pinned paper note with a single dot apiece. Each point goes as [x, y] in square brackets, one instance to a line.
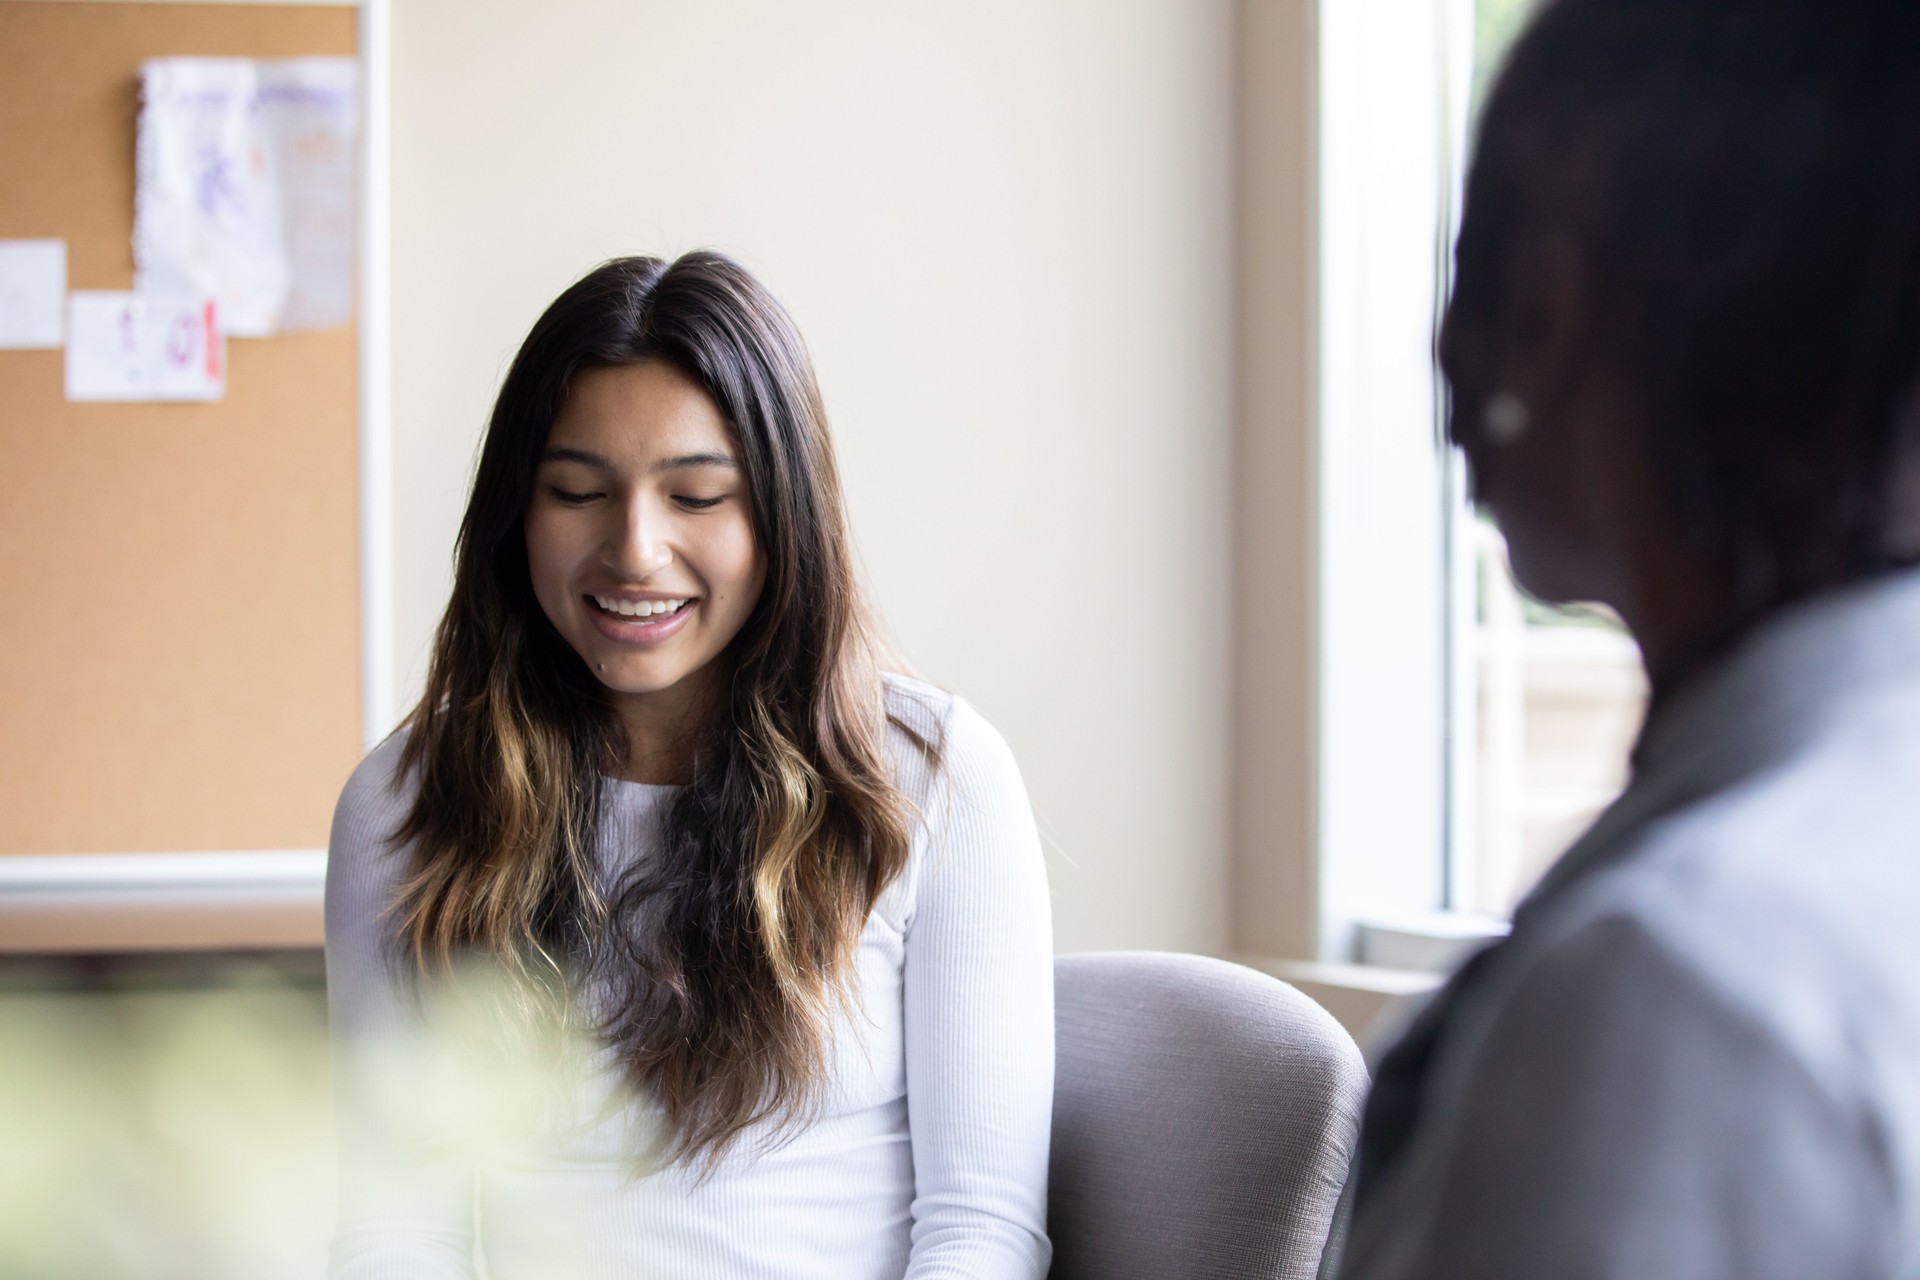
[245, 188]
[33, 292]
[312, 106]
[134, 346]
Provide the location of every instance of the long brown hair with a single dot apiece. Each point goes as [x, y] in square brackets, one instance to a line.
[721, 962]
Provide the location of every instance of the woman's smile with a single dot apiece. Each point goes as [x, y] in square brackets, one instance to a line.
[639, 621]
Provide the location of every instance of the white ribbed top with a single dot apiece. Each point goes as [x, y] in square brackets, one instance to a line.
[929, 1156]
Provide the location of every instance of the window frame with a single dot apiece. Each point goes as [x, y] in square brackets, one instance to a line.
[1394, 670]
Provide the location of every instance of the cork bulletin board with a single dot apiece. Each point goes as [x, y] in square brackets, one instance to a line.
[180, 642]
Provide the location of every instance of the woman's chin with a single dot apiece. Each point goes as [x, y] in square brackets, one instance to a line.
[637, 680]
[1554, 577]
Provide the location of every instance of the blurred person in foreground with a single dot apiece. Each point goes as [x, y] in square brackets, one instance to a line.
[1684, 347]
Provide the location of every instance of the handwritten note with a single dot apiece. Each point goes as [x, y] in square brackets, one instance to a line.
[33, 292]
[141, 346]
[310, 109]
[245, 188]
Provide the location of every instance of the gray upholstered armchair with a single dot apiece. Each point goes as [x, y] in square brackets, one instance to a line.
[1204, 1118]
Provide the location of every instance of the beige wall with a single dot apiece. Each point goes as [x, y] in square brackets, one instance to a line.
[1007, 229]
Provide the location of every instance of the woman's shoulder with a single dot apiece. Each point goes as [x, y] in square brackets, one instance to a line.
[979, 860]
[366, 863]
[916, 709]
[363, 859]
[378, 792]
[933, 734]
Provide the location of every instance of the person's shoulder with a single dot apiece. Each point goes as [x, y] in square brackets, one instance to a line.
[364, 857]
[976, 838]
[378, 791]
[1804, 873]
[1783, 905]
[934, 733]
[916, 709]
[1607, 1047]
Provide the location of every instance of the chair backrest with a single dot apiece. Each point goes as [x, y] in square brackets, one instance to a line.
[1204, 1119]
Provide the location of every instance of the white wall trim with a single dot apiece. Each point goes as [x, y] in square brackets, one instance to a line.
[376, 374]
[98, 902]
[162, 872]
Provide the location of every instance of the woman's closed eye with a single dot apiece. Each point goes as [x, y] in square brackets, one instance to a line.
[693, 503]
[571, 498]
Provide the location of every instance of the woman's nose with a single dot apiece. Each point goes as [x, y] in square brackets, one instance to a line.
[638, 550]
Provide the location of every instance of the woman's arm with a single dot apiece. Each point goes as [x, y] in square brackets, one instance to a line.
[979, 1021]
[406, 1192]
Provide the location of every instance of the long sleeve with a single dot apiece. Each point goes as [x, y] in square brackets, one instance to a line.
[978, 996]
[406, 1192]
[1627, 1120]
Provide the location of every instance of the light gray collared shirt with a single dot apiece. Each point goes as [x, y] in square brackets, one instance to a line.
[1698, 1055]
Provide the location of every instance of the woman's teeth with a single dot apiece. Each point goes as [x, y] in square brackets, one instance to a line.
[639, 608]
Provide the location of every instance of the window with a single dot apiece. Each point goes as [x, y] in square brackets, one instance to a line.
[1465, 734]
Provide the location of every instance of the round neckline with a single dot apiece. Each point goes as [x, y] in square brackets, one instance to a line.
[627, 786]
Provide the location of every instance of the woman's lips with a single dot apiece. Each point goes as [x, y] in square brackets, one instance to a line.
[639, 632]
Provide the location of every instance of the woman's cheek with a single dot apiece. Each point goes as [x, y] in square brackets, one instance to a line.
[547, 563]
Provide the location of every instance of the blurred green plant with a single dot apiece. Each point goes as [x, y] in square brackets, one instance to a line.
[188, 1132]
[165, 1134]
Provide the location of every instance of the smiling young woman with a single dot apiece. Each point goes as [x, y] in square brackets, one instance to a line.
[661, 782]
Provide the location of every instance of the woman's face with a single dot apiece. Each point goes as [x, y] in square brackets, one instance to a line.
[1571, 479]
[640, 537]
[1558, 464]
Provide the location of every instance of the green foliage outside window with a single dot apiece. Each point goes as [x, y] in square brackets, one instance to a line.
[1495, 24]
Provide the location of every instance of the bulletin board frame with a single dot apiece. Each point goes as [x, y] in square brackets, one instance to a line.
[171, 899]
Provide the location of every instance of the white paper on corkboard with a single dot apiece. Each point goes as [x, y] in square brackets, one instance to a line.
[139, 346]
[245, 188]
[310, 109]
[33, 293]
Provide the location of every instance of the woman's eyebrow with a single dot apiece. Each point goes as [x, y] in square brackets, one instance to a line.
[696, 460]
[581, 456]
[587, 458]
